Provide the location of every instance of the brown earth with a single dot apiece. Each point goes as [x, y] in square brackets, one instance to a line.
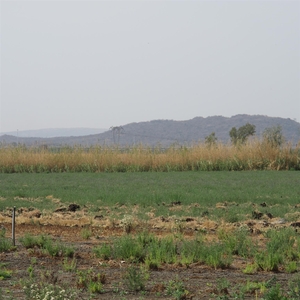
[200, 281]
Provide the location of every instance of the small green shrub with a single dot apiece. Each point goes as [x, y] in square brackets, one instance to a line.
[104, 251]
[83, 278]
[162, 250]
[280, 248]
[145, 238]
[95, 287]
[2, 232]
[90, 280]
[238, 242]
[47, 245]
[128, 248]
[268, 261]
[69, 265]
[58, 249]
[192, 250]
[151, 263]
[135, 279]
[291, 267]
[86, 233]
[4, 273]
[29, 241]
[250, 269]
[294, 287]
[176, 289]
[217, 256]
[251, 287]
[274, 293]
[281, 240]
[5, 244]
[222, 288]
[30, 271]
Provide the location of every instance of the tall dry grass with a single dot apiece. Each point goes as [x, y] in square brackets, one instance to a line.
[255, 155]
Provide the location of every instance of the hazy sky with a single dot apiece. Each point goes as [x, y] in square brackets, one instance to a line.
[108, 63]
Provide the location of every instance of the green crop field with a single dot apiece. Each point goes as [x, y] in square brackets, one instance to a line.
[238, 190]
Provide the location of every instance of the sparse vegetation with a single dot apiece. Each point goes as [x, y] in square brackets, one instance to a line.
[86, 233]
[33, 290]
[143, 253]
[90, 280]
[4, 273]
[176, 289]
[47, 246]
[5, 243]
[135, 279]
[70, 265]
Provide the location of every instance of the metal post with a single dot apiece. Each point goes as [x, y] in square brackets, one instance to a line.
[13, 226]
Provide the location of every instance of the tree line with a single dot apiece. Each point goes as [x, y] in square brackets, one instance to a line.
[238, 136]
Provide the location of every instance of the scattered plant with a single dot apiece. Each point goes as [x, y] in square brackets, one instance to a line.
[176, 289]
[30, 271]
[127, 223]
[274, 293]
[86, 233]
[104, 251]
[95, 287]
[4, 273]
[47, 245]
[238, 242]
[250, 269]
[294, 287]
[5, 244]
[291, 267]
[135, 279]
[268, 261]
[2, 232]
[90, 280]
[29, 241]
[47, 292]
[128, 248]
[222, 289]
[70, 265]
[217, 256]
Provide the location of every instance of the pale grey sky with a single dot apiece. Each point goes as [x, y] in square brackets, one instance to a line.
[108, 63]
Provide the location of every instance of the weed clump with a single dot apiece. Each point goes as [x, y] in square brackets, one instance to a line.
[47, 246]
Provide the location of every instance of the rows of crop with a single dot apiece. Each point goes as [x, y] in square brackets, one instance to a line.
[255, 155]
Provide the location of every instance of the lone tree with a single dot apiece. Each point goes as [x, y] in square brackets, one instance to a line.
[117, 131]
[211, 139]
[274, 136]
[240, 136]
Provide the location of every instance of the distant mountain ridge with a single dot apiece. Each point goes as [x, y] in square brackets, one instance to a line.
[167, 132]
[55, 132]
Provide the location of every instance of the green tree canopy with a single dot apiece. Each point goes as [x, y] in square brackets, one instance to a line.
[211, 139]
[273, 136]
[241, 135]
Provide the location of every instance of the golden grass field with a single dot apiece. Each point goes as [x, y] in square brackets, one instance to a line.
[254, 155]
